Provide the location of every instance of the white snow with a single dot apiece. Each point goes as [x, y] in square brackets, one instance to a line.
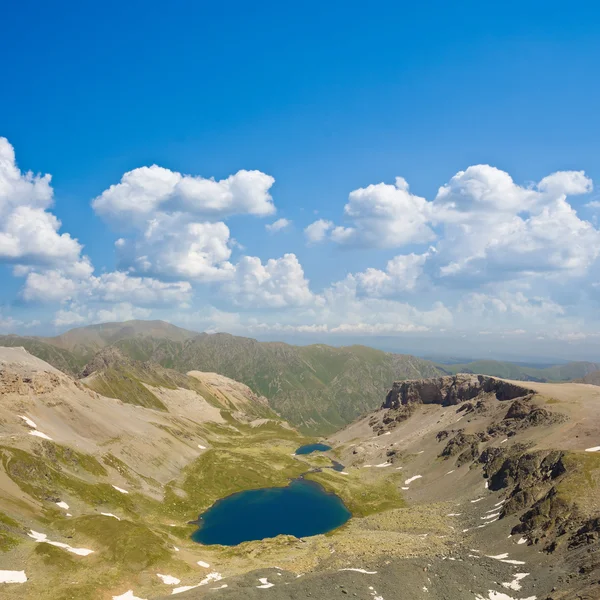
[28, 421]
[448, 473]
[210, 577]
[398, 468]
[492, 516]
[40, 435]
[42, 537]
[127, 596]
[453, 514]
[201, 563]
[405, 488]
[360, 571]
[504, 441]
[522, 541]
[220, 587]
[168, 579]
[478, 500]
[265, 584]
[515, 583]
[385, 464]
[176, 548]
[492, 595]
[343, 473]
[13, 577]
[411, 479]
[487, 485]
[204, 447]
[594, 449]
[500, 503]
[110, 515]
[120, 490]
[62, 505]
[388, 433]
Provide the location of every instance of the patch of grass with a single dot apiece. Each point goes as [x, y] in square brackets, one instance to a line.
[8, 542]
[582, 480]
[361, 498]
[123, 544]
[219, 473]
[72, 459]
[55, 557]
[118, 465]
[39, 478]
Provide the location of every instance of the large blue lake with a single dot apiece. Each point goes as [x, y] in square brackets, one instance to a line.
[303, 508]
[310, 448]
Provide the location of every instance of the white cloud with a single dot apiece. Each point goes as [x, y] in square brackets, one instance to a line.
[495, 229]
[173, 248]
[317, 231]
[278, 225]
[113, 287]
[143, 192]
[28, 233]
[401, 275]
[383, 216]
[278, 283]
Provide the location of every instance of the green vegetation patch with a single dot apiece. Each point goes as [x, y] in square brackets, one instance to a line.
[42, 479]
[219, 473]
[362, 498]
[124, 544]
[72, 459]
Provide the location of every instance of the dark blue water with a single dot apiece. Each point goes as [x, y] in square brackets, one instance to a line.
[309, 448]
[301, 509]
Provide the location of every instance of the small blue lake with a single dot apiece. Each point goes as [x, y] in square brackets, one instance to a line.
[303, 508]
[310, 448]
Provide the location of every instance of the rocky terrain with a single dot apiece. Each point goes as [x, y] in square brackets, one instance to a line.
[460, 487]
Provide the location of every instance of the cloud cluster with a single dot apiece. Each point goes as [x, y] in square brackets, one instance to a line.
[143, 192]
[29, 233]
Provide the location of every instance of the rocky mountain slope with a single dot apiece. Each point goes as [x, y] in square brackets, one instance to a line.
[317, 388]
[460, 487]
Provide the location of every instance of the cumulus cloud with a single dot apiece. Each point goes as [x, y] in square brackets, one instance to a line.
[400, 275]
[278, 225]
[495, 229]
[381, 216]
[173, 248]
[113, 287]
[29, 234]
[317, 231]
[145, 191]
[278, 283]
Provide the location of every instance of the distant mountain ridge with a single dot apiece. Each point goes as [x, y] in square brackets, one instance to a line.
[317, 388]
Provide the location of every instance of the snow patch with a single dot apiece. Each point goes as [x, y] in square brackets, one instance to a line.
[594, 449]
[492, 595]
[522, 541]
[411, 479]
[110, 515]
[210, 577]
[40, 435]
[204, 448]
[13, 577]
[515, 584]
[62, 504]
[265, 584]
[120, 490]
[42, 537]
[127, 596]
[360, 571]
[477, 500]
[168, 579]
[28, 421]
[201, 563]
[385, 464]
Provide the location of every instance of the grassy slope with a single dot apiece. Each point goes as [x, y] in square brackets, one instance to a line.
[317, 388]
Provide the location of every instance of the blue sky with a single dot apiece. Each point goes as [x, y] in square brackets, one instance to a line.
[316, 102]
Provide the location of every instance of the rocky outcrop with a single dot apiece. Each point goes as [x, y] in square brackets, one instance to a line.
[464, 445]
[450, 390]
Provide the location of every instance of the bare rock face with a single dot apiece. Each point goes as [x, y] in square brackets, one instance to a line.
[450, 390]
